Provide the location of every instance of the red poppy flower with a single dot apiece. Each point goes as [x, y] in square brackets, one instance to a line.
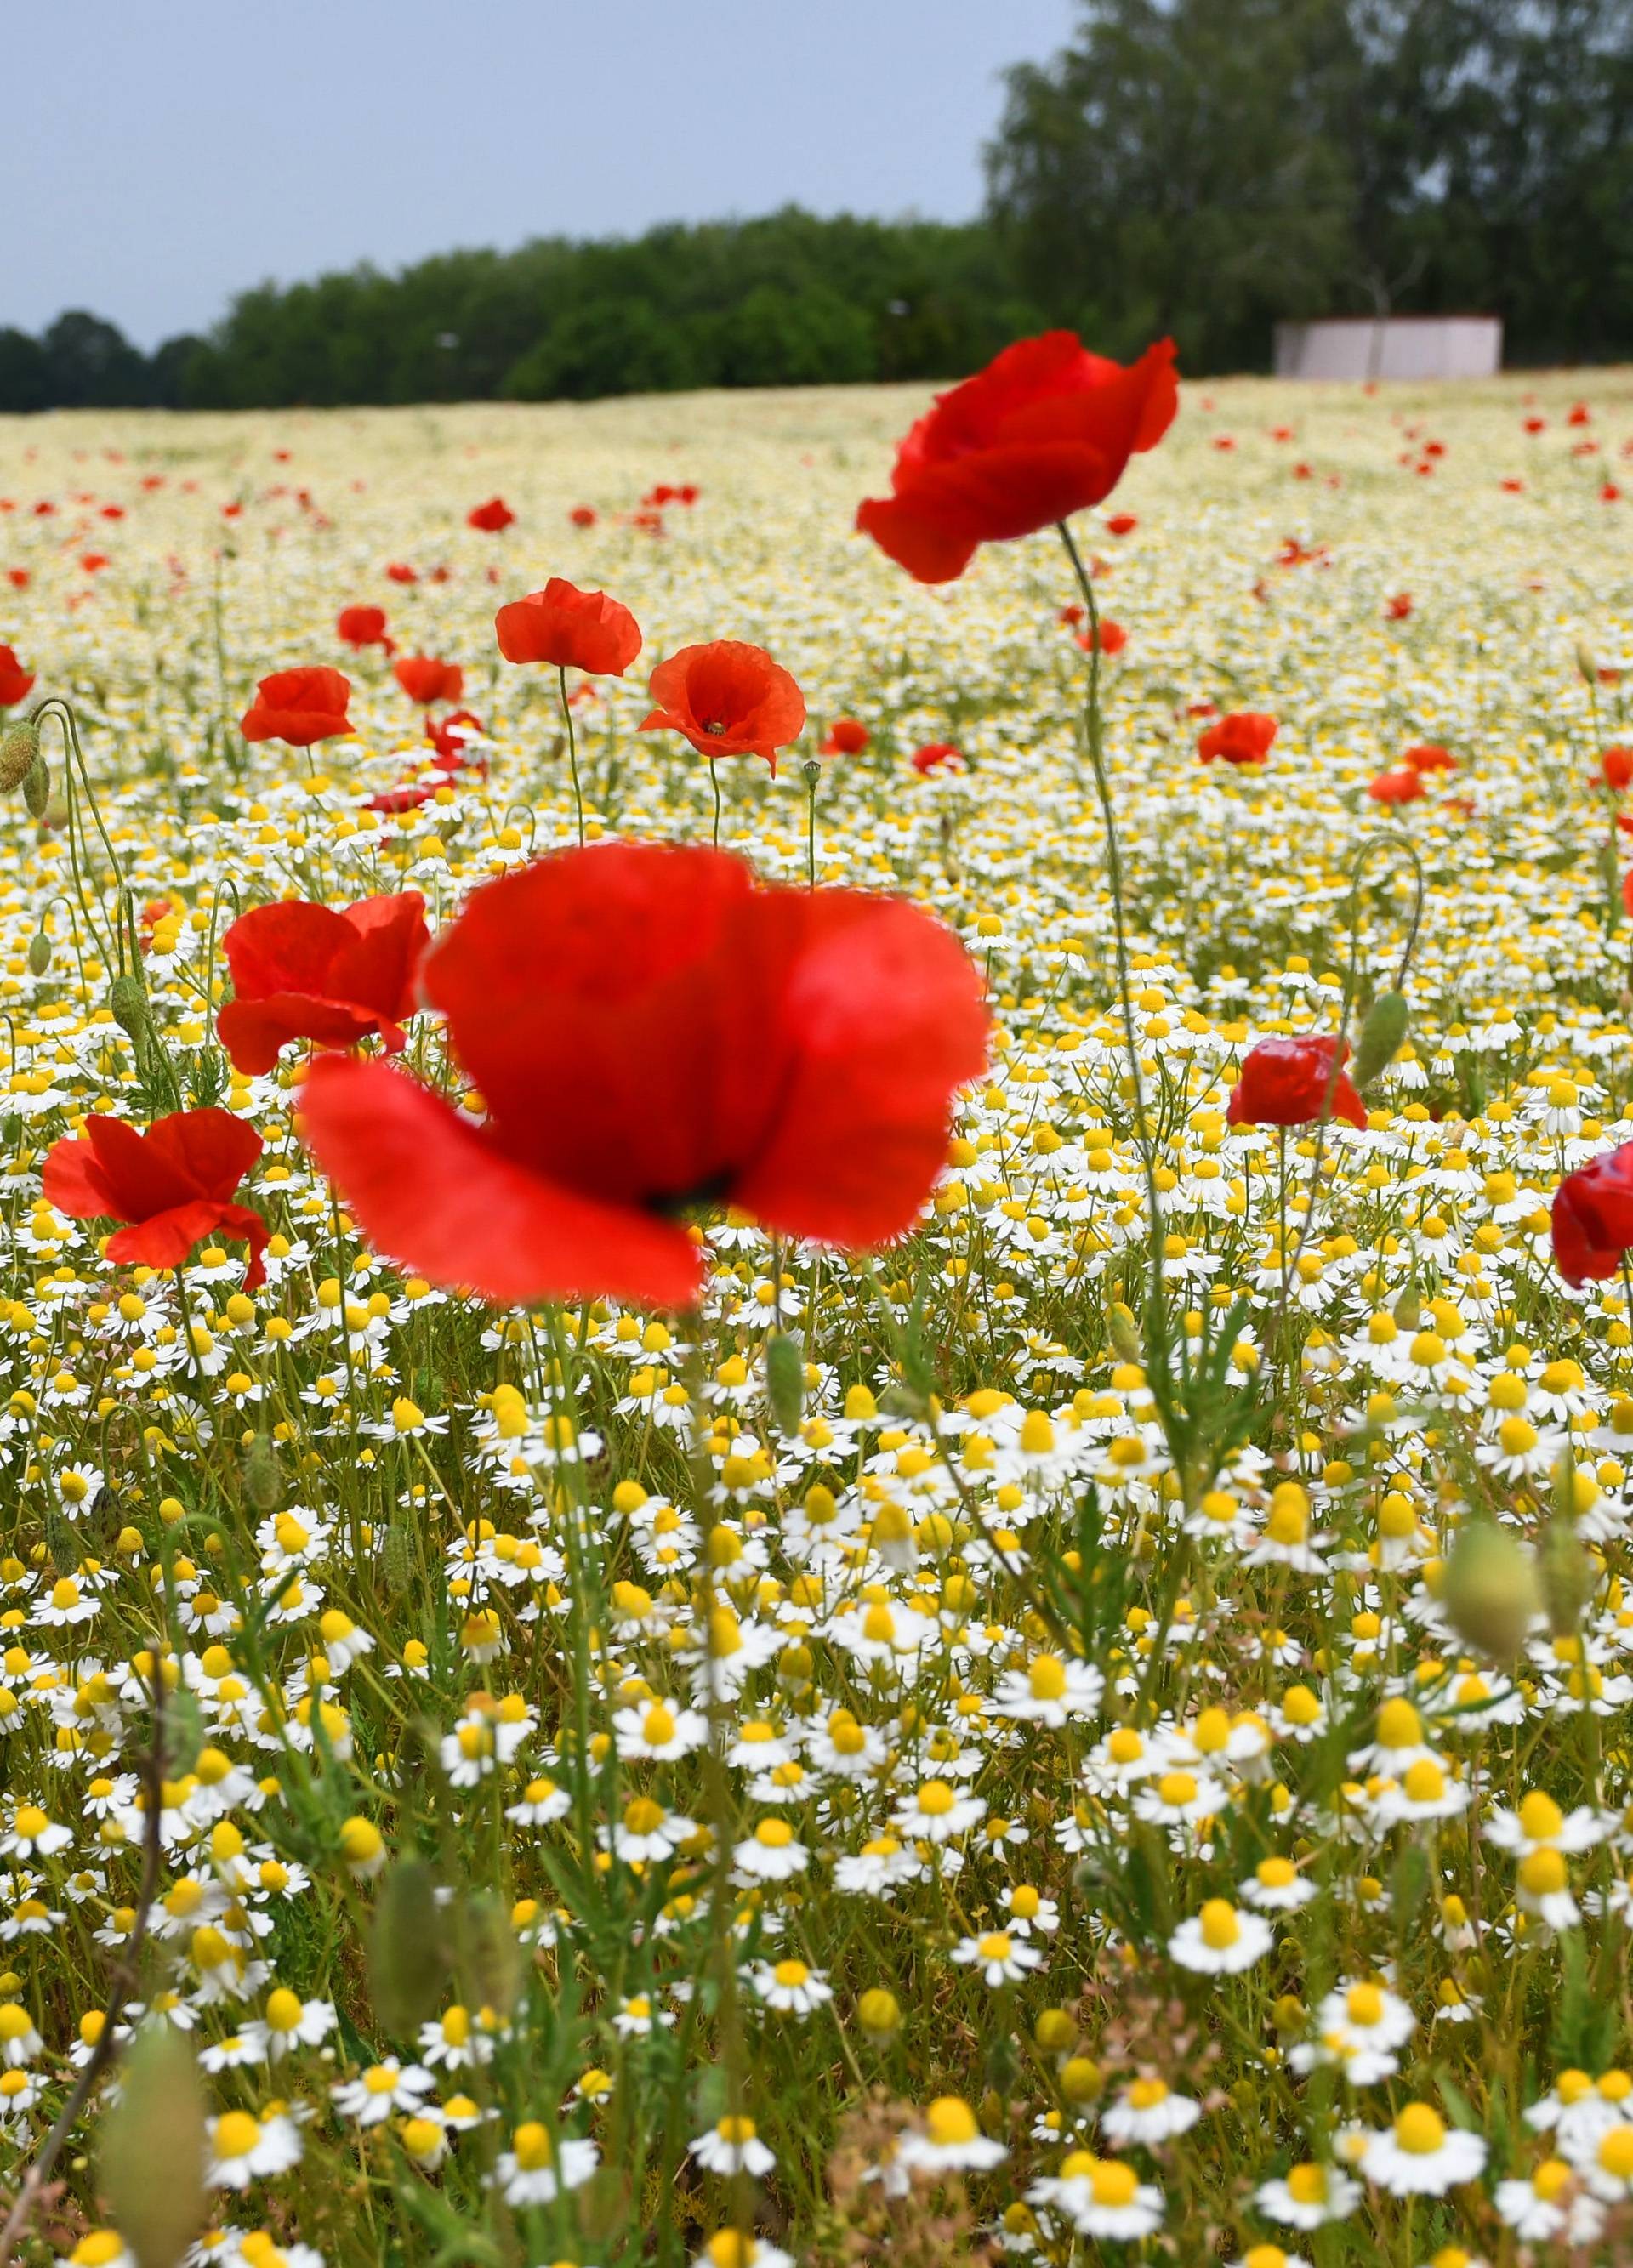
[298, 706]
[426, 680]
[1399, 607]
[449, 736]
[937, 756]
[394, 800]
[1429, 756]
[400, 571]
[651, 1029]
[1616, 763]
[302, 971]
[1242, 737]
[1044, 431]
[361, 626]
[18, 578]
[581, 516]
[492, 517]
[1404, 785]
[171, 1186]
[15, 681]
[1121, 523]
[848, 736]
[1285, 1083]
[1593, 1217]
[728, 699]
[570, 628]
[1111, 637]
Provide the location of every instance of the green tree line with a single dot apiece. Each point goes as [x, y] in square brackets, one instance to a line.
[1203, 168]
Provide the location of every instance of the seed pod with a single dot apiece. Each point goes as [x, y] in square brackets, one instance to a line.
[1567, 1576]
[1490, 1590]
[1381, 1035]
[153, 2148]
[407, 1952]
[785, 1381]
[37, 788]
[263, 1486]
[39, 954]
[19, 752]
[128, 998]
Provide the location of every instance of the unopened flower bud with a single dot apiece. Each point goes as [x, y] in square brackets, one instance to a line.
[1381, 1035]
[1587, 662]
[19, 753]
[127, 999]
[489, 1956]
[1490, 1590]
[407, 1954]
[1125, 1336]
[1567, 1574]
[39, 954]
[1408, 1308]
[785, 1381]
[37, 788]
[154, 2148]
[263, 1490]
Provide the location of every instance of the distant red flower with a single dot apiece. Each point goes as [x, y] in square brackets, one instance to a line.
[1580, 415]
[1399, 607]
[18, 578]
[492, 517]
[651, 1030]
[570, 628]
[1111, 637]
[1404, 785]
[1536, 425]
[582, 515]
[361, 626]
[848, 736]
[1429, 756]
[937, 756]
[1044, 431]
[425, 680]
[1121, 523]
[728, 699]
[449, 735]
[400, 571]
[172, 1186]
[1242, 737]
[394, 800]
[1593, 1217]
[298, 706]
[1070, 616]
[303, 971]
[1616, 763]
[1284, 1082]
[15, 682]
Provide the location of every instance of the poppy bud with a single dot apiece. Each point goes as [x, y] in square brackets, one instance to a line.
[61, 1541]
[396, 1558]
[184, 1732]
[1587, 662]
[489, 1954]
[1408, 1308]
[263, 1490]
[19, 752]
[406, 1955]
[785, 1381]
[1381, 1035]
[1125, 1337]
[1490, 1590]
[127, 996]
[1566, 1571]
[39, 954]
[37, 788]
[153, 2148]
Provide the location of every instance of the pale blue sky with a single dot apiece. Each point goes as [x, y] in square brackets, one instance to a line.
[162, 154]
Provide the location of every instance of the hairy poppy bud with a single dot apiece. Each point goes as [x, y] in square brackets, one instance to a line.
[184, 1732]
[127, 999]
[1587, 662]
[1408, 1308]
[489, 1954]
[263, 1489]
[1381, 1035]
[407, 1954]
[1125, 1336]
[396, 1558]
[1567, 1574]
[19, 753]
[37, 788]
[1490, 1590]
[153, 2148]
[785, 1381]
[39, 954]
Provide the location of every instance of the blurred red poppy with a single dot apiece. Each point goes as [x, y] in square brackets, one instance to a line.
[298, 706]
[653, 1031]
[362, 626]
[450, 735]
[1429, 756]
[570, 628]
[492, 517]
[1616, 763]
[425, 680]
[728, 699]
[582, 515]
[1044, 431]
[937, 756]
[1404, 785]
[1111, 638]
[303, 971]
[848, 736]
[15, 682]
[1121, 523]
[1399, 607]
[171, 1186]
[394, 800]
[1285, 1083]
[1593, 1217]
[1242, 737]
[400, 571]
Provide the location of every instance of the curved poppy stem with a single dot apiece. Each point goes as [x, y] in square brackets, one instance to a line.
[813, 775]
[573, 755]
[714, 781]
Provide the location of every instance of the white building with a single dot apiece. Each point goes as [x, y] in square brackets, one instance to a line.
[1397, 346]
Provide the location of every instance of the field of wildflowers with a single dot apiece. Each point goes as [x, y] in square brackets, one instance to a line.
[725, 1570]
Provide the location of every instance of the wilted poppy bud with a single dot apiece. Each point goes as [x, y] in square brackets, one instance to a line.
[19, 753]
[127, 999]
[785, 1381]
[1567, 1573]
[39, 954]
[263, 1489]
[37, 788]
[879, 2014]
[1490, 1590]
[153, 2148]
[407, 1961]
[1381, 1035]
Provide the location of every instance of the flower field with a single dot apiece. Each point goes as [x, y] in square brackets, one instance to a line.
[701, 1568]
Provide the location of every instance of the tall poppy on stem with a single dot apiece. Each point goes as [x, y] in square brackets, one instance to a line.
[306, 971]
[298, 707]
[1593, 1217]
[571, 630]
[727, 698]
[652, 1031]
[170, 1186]
[428, 680]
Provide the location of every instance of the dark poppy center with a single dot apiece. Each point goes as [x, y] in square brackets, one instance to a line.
[713, 726]
[676, 1205]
